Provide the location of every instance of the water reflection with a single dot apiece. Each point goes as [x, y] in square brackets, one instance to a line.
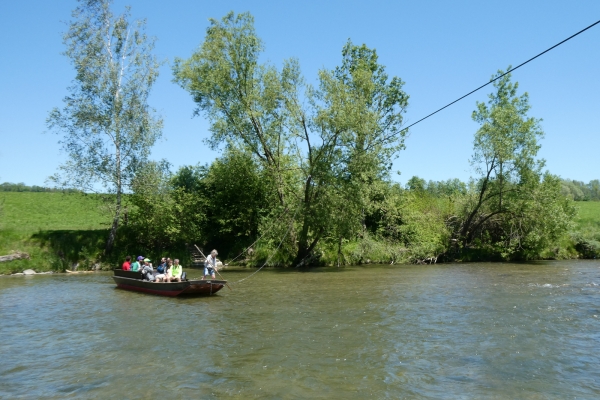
[472, 330]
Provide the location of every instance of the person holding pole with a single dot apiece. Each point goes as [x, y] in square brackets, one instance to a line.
[210, 264]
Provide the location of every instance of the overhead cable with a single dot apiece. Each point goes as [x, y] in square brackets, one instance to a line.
[507, 72]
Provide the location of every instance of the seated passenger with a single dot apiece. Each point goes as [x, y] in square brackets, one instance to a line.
[168, 269]
[161, 270]
[147, 271]
[174, 273]
[127, 264]
[135, 266]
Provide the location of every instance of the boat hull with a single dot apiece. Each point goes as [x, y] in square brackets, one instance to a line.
[130, 280]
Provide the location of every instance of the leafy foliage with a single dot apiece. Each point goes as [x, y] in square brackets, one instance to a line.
[318, 147]
[580, 191]
[106, 123]
[511, 209]
[224, 203]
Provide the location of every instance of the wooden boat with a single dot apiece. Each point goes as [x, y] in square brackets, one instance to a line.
[130, 280]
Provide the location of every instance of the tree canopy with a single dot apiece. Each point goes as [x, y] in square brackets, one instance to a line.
[106, 124]
[509, 199]
[321, 147]
[302, 174]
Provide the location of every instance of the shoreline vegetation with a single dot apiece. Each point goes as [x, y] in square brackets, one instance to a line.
[304, 174]
[67, 231]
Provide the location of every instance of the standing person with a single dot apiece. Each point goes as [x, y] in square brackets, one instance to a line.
[135, 266]
[210, 264]
[174, 274]
[127, 264]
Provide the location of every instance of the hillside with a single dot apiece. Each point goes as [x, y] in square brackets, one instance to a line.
[588, 216]
[54, 228]
[34, 211]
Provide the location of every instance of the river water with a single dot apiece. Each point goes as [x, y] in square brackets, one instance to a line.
[493, 330]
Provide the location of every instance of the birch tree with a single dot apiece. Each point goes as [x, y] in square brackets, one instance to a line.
[106, 124]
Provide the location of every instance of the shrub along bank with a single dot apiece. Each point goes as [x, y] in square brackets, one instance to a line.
[59, 230]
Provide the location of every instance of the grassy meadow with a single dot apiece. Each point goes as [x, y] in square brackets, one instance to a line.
[59, 229]
[55, 229]
[588, 216]
[586, 233]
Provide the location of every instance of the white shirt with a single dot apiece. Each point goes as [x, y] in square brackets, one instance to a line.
[209, 263]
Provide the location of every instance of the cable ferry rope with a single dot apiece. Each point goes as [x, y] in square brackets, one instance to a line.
[260, 237]
[277, 249]
[500, 76]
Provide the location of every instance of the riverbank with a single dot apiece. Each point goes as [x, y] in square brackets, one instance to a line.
[68, 231]
[30, 272]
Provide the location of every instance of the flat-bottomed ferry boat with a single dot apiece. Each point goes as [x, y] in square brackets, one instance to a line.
[132, 280]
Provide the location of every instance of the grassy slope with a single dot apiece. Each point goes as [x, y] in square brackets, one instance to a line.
[39, 222]
[588, 216]
[34, 211]
[585, 236]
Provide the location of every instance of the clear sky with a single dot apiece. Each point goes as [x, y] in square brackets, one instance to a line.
[441, 49]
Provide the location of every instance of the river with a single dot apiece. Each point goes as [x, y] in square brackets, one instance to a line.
[480, 330]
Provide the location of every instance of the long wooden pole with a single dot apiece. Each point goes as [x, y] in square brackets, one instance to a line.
[214, 266]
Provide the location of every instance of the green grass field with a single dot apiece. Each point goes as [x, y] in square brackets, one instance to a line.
[54, 228]
[31, 212]
[586, 234]
[588, 215]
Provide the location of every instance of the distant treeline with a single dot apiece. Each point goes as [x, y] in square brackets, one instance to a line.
[576, 190]
[437, 188]
[21, 187]
[580, 191]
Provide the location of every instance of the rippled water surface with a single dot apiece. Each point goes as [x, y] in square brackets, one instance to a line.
[445, 331]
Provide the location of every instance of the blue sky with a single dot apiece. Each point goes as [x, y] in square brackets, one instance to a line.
[441, 49]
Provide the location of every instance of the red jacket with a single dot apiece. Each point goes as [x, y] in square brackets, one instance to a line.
[126, 266]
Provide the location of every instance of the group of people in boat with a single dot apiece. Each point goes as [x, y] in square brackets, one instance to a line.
[168, 270]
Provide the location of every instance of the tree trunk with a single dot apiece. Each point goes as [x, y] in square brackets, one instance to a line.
[304, 251]
[302, 241]
[465, 231]
[339, 251]
[113, 230]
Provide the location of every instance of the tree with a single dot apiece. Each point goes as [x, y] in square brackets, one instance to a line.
[502, 209]
[318, 146]
[107, 125]
[221, 205]
[416, 183]
[155, 221]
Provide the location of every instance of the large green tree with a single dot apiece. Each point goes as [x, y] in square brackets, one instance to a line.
[321, 148]
[502, 209]
[221, 205]
[106, 124]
